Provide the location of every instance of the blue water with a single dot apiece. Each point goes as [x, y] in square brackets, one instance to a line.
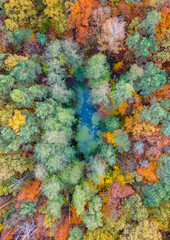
[88, 127]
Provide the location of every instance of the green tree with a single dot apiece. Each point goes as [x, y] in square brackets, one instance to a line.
[97, 70]
[41, 38]
[54, 206]
[93, 217]
[163, 171]
[110, 124]
[143, 47]
[148, 26]
[155, 194]
[51, 187]
[76, 234]
[135, 208]
[28, 208]
[155, 114]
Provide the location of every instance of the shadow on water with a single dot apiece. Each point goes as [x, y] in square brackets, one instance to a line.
[88, 127]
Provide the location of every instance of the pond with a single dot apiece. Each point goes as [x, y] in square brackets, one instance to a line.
[88, 127]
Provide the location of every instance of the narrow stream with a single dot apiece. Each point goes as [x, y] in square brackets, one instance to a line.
[88, 127]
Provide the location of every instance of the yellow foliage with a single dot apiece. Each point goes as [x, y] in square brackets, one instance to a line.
[123, 107]
[109, 137]
[5, 114]
[16, 121]
[98, 234]
[20, 13]
[115, 174]
[1, 226]
[56, 10]
[13, 60]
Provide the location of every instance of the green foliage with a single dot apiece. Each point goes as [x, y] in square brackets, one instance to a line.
[163, 171]
[135, 208]
[28, 208]
[43, 109]
[72, 173]
[155, 194]
[51, 187]
[122, 141]
[65, 116]
[97, 168]
[82, 194]
[155, 114]
[41, 38]
[122, 92]
[28, 130]
[93, 217]
[59, 55]
[153, 79]
[166, 127]
[6, 85]
[110, 124]
[97, 70]
[5, 187]
[109, 154]
[21, 98]
[142, 46]
[25, 72]
[76, 234]
[148, 26]
[7, 133]
[21, 35]
[54, 206]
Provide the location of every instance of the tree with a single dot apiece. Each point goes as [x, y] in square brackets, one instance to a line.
[121, 141]
[98, 234]
[143, 47]
[54, 206]
[30, 191]
[28, 208]
[16, 121]
[163, 170]
[155, 114]
[97, 70]
[93, 218]
[56, 10]
[51, 187]
[108, 153]
[21, 13]
[145, 230]
[110, 123]
[149, 172]
[148, 26]
[13, 164]
[114, 195]
[76, 234]
[112, 35]
[122, 92]
[155, 194]
[78, 19]
[135, 208]
[100, 94]
[41, 38]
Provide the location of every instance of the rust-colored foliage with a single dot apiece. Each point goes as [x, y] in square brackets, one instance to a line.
[30, 191]
[79, 18]
[62, 232]
[112, 199]
[42, 231]
[7, 233]
[149, 172]
[163, 25]
[128, 11]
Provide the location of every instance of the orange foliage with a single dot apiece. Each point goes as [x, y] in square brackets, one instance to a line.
[118, 66]
[163, 25]
[7, 233]
[30, 191]
[79, 18]
[149, 172]
[161, 93]
[62, 232]
[122, 108]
